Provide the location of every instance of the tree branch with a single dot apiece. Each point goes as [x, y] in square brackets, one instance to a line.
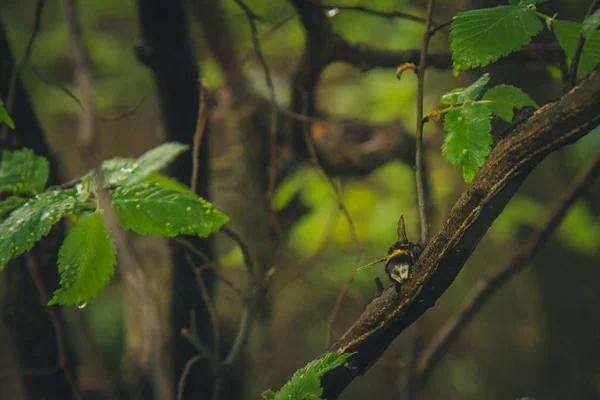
[485, 288]
[520, 150]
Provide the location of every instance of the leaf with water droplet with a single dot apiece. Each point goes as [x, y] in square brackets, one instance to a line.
[164, 213]
[10, 204]
[86, 261]
[29, 223]
[129, 171]
[23, 172]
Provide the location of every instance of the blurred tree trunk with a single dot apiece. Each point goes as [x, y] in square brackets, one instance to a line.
[37, 330]
[165, 49]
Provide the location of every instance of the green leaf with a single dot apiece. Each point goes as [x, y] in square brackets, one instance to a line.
[167, 183]
[22, 172]
[10, 204]
[147, 208]
[29, 223]
[305, 383]
[506, 97]
[460, 95]
[128, 171]
[86, 261]
[525, 2]
[4, 117]
[591, 24]
[567, 33]
[469, 141]
[479, 37]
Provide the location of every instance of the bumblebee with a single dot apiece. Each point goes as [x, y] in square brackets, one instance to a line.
[401, 256]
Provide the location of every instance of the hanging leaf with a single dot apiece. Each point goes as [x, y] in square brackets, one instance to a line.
[149, 209]
[460, 95]
[506, 97]
[469, 141]
[29, 223]
[128, 171]
[86, 261]
[479, 37]
[567, 33]
[22, 172]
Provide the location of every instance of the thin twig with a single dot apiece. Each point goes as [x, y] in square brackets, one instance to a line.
[440, 26]
[252, 17]
[267, 35]
[419, 175]
[342, 207]
[153, 342]
[119, 116]
[62, 88]
[33, 270]
[572, 74]
[246, 254]
[367, 10]
[212, 313]
[186, 371]
[200, 127]
[14, 77]
[485, 288]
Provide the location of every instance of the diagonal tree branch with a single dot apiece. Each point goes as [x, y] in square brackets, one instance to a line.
[520, 150]
[485, 288]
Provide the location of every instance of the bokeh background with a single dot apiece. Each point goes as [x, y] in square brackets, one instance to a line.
[539, 336]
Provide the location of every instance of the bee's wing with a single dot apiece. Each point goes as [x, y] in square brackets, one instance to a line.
[379, 260]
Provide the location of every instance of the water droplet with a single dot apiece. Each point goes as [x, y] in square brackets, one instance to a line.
[332, 12]
[138, 206]
[188, 209]
[146, 186]
[137, 193]
[81, 304]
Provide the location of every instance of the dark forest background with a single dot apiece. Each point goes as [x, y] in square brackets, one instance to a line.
[533, 338]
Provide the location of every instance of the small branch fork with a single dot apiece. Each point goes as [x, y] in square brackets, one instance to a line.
[485, 288]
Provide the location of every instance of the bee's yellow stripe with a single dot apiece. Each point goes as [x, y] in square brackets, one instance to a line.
[399, 252]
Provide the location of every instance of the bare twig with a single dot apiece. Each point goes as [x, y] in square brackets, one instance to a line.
[572, 74]
[247, 255]
[62, 88]
[485, 288]
[371, 11]
[212, 313]
[420, 176]
[186, 371]
[153, 340]
[119, 116]
[358, 250]
[32, 268]
[200, 126]
[14, 77]
[433, 31]
[252, 17]
[268, 34]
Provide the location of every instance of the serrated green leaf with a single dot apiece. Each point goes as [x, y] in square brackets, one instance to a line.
[305, 384]
[567, 33]
[149, 209]
[469, 141]
[4, 117]
[506, 97]
[459, 95]
[129, 171]
[22, 172]
[86, 261]
[10, 204]
[29, 223]
[591, 24]
[479, 37]
[167, 183]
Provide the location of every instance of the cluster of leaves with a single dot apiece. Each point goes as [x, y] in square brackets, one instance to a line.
[143, 200]
[305, 383]
[482, 36]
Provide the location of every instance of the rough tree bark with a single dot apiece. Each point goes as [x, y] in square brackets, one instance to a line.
[520, 150]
